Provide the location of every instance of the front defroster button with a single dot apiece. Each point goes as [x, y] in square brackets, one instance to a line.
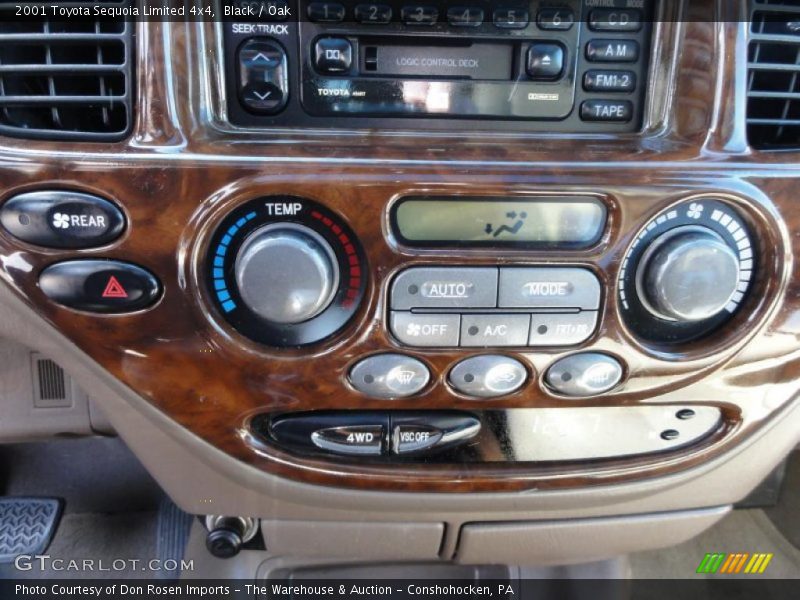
[389, 376]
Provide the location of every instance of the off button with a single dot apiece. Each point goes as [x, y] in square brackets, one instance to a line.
[426, 330]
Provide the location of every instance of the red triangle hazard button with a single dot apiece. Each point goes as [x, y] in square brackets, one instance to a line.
[114, 289]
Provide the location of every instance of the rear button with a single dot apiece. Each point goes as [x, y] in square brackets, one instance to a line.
[101, 286]
[62, 219]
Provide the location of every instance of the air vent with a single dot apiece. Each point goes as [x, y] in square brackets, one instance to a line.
[773, 84]
[51, 386]
[65, 80]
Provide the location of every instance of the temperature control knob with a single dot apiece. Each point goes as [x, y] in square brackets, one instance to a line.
[687, 274]
[286, 273]
[687, 271]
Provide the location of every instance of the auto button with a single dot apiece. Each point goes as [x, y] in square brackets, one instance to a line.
[389, 376]
[445, 287]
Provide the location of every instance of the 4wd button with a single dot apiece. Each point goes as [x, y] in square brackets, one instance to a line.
[548, 287]
[363, 440]
[62, 219]
[102, 286]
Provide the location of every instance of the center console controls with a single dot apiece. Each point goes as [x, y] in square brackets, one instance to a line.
[525, 65]
[494, 307]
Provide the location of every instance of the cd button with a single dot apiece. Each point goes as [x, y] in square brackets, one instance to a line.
[511, 18]
[562, 329]
[419, 15]
[333, 55]
[615, 19]
[445, 287]
[545, 61]
[612, 51]
[462, 16]
[607, 110]
[494, 330]
[426, 330]
[326, 12]
[373, 14]
[555, 19]
[549, 287]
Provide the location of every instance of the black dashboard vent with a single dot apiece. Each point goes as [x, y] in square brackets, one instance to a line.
[65, 79]
[773, 77]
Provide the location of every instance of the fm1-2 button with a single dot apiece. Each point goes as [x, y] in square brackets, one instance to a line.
[488, 376]
[333, 55]
[584, 374]
[62, 219]
[389, 376]
[101, 286]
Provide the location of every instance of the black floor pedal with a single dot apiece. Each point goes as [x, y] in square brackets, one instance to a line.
[27, 525]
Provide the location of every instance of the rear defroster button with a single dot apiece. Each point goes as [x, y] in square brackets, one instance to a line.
[389, 376]
[584, 374]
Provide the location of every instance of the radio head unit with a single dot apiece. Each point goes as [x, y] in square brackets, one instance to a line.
[535, 65]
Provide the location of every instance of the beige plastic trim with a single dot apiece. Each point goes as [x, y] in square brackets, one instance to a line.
[204, 480]
[580, 540]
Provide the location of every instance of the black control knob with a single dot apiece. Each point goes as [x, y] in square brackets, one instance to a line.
[226, 535]
[286, 273]
[687, 274]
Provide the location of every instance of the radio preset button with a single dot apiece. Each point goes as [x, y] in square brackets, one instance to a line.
[488, 376]
[545, 61]
[564, 329]
[555, 19]
[463, 16]
[426, 330]
[600, 80]
[612, 51]
[511, 18]
[585, 374]
[389, 376]
[373, 14]
[607, 110]
[445, 287]
[326, 12]
[494, 330]
[615, 19]
[419, 14]
[548, 287]
[333, 55]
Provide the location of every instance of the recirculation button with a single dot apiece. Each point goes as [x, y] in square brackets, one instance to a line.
[101, 286]
[62, 219]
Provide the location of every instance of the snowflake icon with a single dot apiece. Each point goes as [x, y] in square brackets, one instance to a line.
[61, 221]
[695, 210]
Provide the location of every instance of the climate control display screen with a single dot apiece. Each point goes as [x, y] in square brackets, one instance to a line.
[575, 222]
